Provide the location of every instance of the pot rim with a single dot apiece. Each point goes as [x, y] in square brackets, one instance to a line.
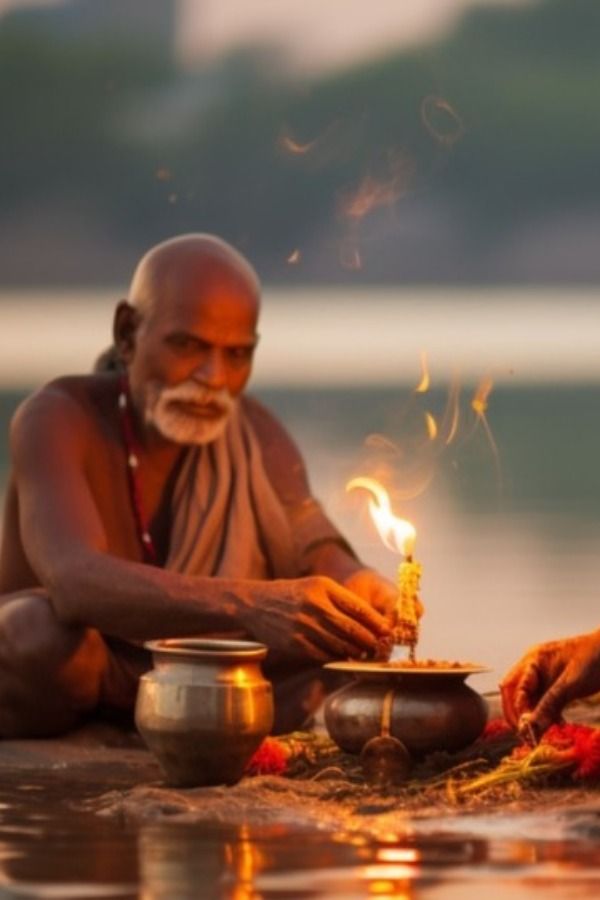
[363, 669]
[208, 648]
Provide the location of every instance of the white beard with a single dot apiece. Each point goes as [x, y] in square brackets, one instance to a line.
[177, 425]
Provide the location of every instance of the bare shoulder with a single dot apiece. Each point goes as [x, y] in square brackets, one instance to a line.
[69, 406]
[267, 426]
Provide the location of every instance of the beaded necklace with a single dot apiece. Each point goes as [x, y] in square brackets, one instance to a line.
[133, 478]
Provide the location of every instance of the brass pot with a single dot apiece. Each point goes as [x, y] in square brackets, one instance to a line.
[204, 708]
[428, 710]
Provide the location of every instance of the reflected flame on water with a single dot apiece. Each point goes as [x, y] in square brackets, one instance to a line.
[398, 854]
[390, 881]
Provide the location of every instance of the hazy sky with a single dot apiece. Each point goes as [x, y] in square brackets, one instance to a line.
[314, 33]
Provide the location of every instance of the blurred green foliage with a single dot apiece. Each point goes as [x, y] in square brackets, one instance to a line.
[510, 132]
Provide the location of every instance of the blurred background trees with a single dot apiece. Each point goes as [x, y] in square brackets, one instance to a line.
[473, 158]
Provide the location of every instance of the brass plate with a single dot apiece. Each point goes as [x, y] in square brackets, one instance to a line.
[375, 668]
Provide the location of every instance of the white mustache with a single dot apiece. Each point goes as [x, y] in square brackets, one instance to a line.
[191, 392]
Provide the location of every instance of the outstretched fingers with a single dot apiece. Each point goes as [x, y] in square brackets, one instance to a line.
[552, 703]
[358, 618]
[520, 691]
[309, 649]
[333, 644]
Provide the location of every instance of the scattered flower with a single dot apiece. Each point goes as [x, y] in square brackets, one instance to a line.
[496, 728]
[270, 759]
[565, 749]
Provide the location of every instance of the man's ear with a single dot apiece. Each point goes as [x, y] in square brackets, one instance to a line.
[125, 325]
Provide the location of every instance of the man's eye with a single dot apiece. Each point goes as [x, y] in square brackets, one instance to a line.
[182, 342]
[240, 354]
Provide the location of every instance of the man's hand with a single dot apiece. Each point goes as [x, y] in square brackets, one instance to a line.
[379, 592]
[548, 677]
[313, 617]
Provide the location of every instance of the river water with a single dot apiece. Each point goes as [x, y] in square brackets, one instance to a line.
[508, 529]
[52, 847]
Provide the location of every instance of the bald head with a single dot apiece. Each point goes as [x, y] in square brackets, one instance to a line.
[190, 268]
[187, 335]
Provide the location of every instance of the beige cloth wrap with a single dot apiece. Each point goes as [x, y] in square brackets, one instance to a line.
[227, 518]
[228, 521]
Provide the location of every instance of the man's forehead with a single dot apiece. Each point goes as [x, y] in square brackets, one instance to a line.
[214, 312]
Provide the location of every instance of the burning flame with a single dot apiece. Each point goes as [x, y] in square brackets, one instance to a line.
[479, 403]
[423, 385]
[397, 534]
[372, 192]
[432, 428]
[452, 414]
[288, 144]
[294, 257]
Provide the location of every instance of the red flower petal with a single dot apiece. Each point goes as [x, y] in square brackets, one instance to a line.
[496, 728]
[269, 759]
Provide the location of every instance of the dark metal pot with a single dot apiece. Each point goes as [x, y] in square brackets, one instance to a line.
[204, 708]
[430, 709]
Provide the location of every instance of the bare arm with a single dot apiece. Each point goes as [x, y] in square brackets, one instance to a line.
[67, 547]
[66, 543]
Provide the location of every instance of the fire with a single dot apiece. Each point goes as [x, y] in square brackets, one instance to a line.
[294, 257]
[423, 385]
[397, 534]
[372, 192]
[290, 145]
[452, 414]
[479, 403]
[432, 428]
[368, 196]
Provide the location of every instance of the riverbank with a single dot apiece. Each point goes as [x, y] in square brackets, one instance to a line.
[89, 816]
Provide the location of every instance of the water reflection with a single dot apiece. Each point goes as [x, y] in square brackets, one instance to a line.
[48, 848]
[77, 853]
[179, 862]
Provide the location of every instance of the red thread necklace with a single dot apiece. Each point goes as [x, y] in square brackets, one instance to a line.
[133, 478]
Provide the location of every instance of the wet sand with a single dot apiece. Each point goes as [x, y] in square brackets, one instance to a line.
[89, 816]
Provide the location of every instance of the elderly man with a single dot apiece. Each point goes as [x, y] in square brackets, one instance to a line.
[157, 500]
[549, 676]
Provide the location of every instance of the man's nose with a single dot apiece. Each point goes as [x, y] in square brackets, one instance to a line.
[212, 371]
